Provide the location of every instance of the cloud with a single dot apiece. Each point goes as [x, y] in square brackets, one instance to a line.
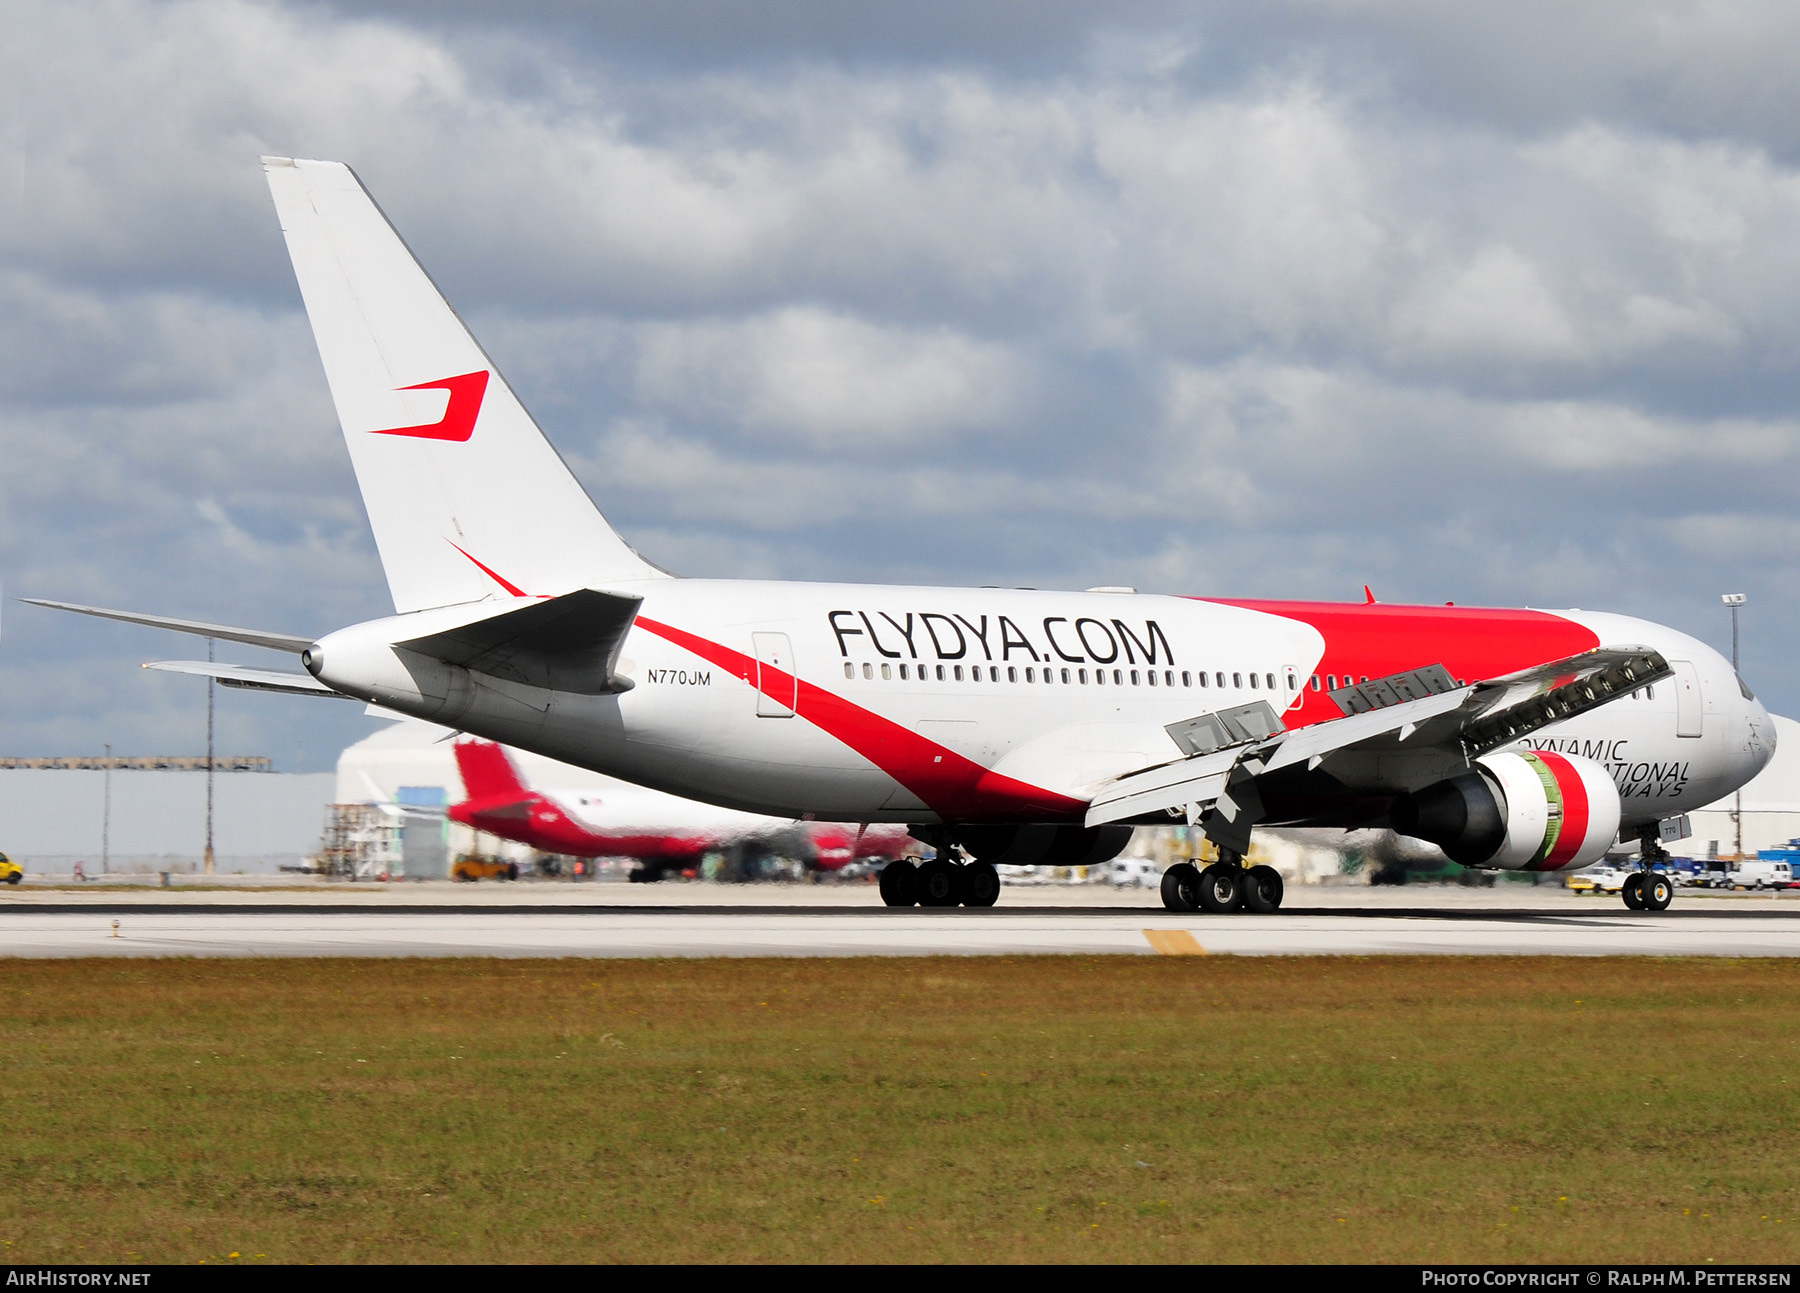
[1252, 299]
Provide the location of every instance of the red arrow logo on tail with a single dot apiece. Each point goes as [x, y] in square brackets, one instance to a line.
[460, 411]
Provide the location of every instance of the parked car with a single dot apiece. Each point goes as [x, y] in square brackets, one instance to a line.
[10, 872]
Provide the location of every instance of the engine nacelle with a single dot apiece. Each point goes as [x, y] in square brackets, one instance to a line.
[1532, 810]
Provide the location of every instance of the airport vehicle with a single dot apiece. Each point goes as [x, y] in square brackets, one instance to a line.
[1762, 873]
[659, 830]
[10, 872]
[1001, 726]
[470, 869]
[1600, 879]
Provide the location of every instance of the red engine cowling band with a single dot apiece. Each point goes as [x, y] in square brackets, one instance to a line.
[1527, 810]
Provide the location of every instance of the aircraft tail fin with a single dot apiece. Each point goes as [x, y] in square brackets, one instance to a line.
[486, 771]
[465, 495]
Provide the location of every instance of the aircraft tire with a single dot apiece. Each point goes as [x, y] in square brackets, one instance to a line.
[1263, 890]
[899, 883]
[981, 885]
[1632, 891]
[1222, 888]
[939, 884]
[1656, 893]
[1181, 887]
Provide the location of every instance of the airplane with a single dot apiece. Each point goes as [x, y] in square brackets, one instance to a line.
[999, 725]
[663, 832]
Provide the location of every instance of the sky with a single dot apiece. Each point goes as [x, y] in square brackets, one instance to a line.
[1491, 304]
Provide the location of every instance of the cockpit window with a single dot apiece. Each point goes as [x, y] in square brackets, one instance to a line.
[1745, 688]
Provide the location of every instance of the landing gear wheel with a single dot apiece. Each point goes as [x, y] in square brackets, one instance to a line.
[1633, 891]
[939, 884]
[981, 885]
[1263, 889]
[1222, 888]
[899, 883]
[1656, 892]
[1181, 887]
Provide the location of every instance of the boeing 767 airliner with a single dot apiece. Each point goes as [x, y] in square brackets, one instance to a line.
[999, 725]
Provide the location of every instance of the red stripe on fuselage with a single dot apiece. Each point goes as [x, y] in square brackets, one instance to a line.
[1576, 811]
[1375, 640]
[952, 786]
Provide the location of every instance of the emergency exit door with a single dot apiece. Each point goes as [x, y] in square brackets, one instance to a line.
[776, 687]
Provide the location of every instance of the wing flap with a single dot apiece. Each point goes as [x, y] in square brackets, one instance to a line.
[1472, 720]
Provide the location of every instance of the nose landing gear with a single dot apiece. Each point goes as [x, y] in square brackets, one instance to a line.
[1648, 889]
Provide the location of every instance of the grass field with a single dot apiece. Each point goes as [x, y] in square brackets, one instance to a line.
[1050, 1109]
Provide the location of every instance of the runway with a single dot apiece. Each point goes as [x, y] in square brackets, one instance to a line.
[598, 922]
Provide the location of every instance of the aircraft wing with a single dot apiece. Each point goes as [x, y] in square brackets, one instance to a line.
[1422, 711]
[231, 675]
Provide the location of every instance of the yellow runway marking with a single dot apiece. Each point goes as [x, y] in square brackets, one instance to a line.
[1174, 942]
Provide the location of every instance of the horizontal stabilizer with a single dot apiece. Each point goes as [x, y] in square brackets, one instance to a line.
[231, 675]
[568, 643]
[199, 628]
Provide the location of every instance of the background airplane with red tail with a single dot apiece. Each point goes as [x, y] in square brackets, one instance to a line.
[999, 725]
[660, 831]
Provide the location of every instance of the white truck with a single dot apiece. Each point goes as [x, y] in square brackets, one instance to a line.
[1760, 873]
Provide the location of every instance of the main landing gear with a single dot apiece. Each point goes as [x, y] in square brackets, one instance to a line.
[1225, 886]
[941, 882]
[1649, 890]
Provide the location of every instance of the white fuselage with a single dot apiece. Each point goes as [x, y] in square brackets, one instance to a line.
[917, 704]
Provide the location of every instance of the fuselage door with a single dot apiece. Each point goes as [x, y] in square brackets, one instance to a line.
[1689, 712]
[776, 686]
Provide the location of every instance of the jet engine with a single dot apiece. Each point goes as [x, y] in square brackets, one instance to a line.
[1044, 845]
[1531, 810]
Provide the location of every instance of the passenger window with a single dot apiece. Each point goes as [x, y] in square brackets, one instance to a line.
[1030, 674]
[1291, 686]
[1099, 677]
[1219, 677]
[1118, 677]
[993, 673]
[1082, 674]
[1149, 676]
[958, 669]
[1650, 692]
[1012, 674]
[1065, 674]
[1237, 680]
[1269, 681]
[1203, 678]
[1252, 682]
[868, 671]
[887, 671]
[903, 676]
[849, 670]
[940, 673]
[1187, 679]
[1168, 677]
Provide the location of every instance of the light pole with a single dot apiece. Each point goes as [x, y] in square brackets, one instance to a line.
[209, 761]
[106, 813]
[1735, 600]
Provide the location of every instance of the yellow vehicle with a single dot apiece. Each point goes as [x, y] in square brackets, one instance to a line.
[11, 872]
[468, 868]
